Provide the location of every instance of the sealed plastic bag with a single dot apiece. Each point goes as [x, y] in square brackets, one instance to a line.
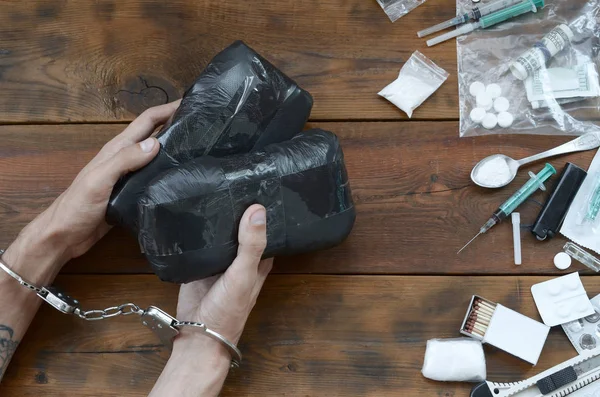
[418, 79]
[395, 9]
[189, 216]
[239, 103]
[555, 51]
[582, 223]
[454, 360]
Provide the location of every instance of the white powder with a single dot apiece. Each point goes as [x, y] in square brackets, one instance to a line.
[408, 92]
[494, 172]
[418, 79]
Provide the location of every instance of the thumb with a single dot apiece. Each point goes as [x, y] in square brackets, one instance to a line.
[252, 235]
[243, 272]
[128, 159]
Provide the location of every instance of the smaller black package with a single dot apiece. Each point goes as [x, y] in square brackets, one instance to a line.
[189, 216]
[239, 103]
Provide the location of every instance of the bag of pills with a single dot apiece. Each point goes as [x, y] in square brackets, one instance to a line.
[418, 79]
[543, 66]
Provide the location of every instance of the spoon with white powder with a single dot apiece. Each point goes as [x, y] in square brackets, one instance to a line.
[499, 170]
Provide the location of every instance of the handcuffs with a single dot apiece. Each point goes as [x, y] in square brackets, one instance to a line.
[165, 326]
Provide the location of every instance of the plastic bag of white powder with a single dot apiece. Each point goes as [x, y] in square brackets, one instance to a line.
[418, 79]
[458, 360]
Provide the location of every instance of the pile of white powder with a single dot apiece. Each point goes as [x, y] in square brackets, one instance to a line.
[495, 172]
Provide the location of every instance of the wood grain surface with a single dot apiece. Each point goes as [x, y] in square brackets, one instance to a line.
[304, 337]
[106, 60]
[416, 204]
[351, 321]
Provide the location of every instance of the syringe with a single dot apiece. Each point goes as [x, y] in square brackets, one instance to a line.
[536, 182]
[490, 20]
[473, 15]
[594, 200]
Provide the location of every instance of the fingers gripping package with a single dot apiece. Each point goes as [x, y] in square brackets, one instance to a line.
[189, 216]
[239, 103]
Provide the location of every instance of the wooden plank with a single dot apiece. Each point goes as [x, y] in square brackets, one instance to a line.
[416, 205]
[308, 336]
[106, 60]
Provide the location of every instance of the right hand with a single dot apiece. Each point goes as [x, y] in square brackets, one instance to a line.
[198, 364]
[224, 302]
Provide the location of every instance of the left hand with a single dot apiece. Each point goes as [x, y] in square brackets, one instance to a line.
[75, 220]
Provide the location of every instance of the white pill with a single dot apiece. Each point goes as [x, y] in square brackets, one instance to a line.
[494, 90]
[562, 261]
[581, 306]
[477, 115]
[489, 121]
[505, 119]
[476, 87]
[572, 283]
[484, 101]
[554, 288]
[563, 310]
[501, 104]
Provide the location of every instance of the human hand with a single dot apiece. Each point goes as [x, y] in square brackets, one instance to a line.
[198, 364]
[224, 302]
[75, 220]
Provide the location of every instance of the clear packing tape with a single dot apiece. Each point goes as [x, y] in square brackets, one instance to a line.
[189, 216]
[562, 97]
[240, 102]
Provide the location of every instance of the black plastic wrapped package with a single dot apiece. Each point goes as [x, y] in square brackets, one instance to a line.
[189, 216]
[239, 103]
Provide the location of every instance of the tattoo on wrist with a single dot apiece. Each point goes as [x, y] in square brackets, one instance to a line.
[7, 347]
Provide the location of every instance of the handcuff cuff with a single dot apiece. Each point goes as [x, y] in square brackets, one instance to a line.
[165, 326]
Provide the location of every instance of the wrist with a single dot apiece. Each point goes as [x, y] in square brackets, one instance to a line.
[198, 366]
[190, 344]
[37, 253]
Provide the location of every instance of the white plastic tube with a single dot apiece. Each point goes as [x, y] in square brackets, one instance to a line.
[516, 222]
[464, 29]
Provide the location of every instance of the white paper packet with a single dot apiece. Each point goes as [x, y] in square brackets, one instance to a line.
[583, 233]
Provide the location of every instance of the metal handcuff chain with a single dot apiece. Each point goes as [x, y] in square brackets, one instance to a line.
[165, 326]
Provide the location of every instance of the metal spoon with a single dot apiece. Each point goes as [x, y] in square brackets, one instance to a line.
[588, 141]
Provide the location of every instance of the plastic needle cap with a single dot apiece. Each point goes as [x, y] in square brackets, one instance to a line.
[516, 223]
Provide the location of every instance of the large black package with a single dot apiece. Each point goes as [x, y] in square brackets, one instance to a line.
[189, 216]
[239, 103]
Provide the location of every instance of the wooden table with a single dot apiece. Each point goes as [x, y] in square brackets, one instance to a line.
[345, 322]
